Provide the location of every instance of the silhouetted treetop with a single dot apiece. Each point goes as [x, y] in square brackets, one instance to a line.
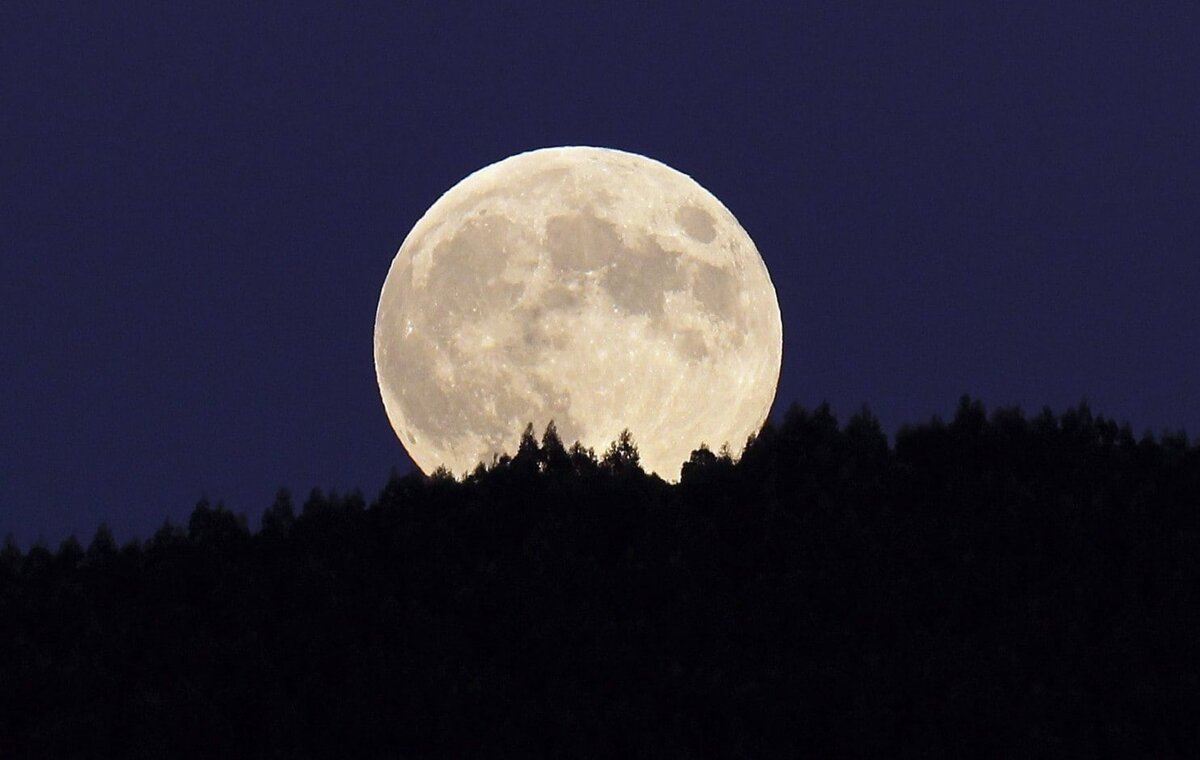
[103, 546]
[622, 456]
[555, 458]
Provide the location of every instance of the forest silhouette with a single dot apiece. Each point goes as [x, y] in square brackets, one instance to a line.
[991, 585]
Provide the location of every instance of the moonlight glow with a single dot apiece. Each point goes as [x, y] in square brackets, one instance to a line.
[599, 289]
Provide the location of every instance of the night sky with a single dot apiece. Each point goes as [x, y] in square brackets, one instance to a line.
[200, 203]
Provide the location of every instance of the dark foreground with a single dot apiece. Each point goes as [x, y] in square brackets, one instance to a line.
[992, 586]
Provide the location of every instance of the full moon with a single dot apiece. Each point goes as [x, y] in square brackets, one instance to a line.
[599, 289]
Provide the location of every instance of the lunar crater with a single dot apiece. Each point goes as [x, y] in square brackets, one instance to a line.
[697, 223]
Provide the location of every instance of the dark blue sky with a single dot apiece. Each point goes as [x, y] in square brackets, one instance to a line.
[200, 202]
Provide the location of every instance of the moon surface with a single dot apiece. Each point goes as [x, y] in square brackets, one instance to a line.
[599, 289]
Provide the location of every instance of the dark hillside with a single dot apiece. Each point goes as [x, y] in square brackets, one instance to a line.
[994, 585]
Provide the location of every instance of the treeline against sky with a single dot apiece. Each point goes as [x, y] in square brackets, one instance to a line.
[994, 585]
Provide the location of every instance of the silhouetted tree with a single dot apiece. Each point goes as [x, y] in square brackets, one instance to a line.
[622, 456]
[103, 547]
[70, 554]
[554, 456]
[701, 461]
[528, 460]
[10, 555]
[168, 537]
[583, 460]
[217, 528]
[277, 521]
